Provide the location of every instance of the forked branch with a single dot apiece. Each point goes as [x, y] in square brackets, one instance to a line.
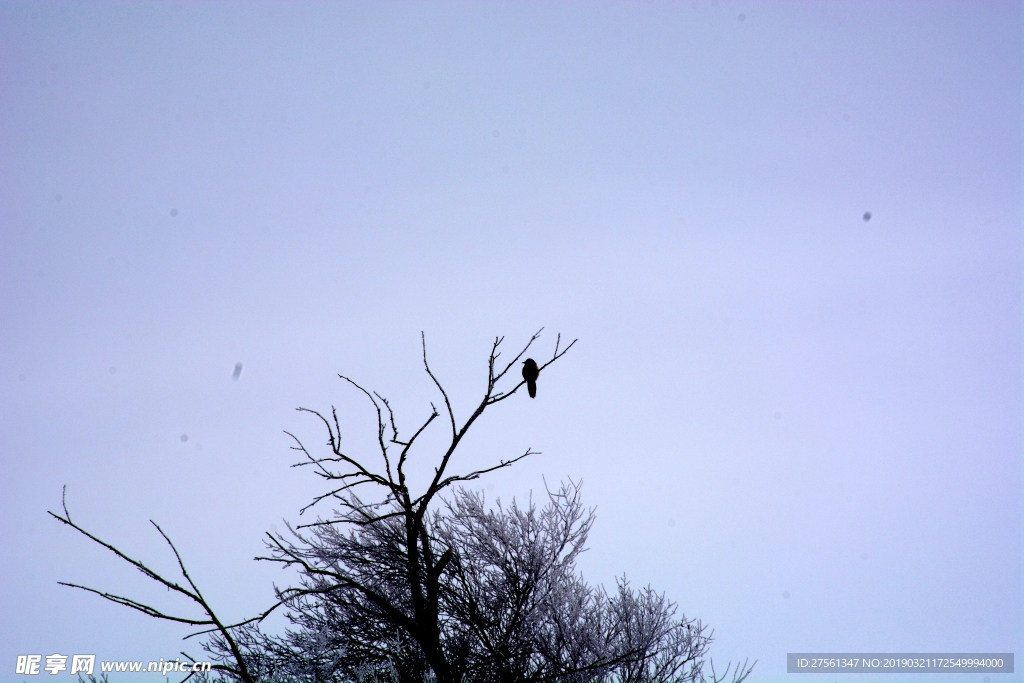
[192, 592]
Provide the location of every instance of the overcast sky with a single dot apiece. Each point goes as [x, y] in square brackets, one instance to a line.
[802, 423]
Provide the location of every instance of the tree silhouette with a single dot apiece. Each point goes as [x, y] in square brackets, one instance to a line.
[402, 585]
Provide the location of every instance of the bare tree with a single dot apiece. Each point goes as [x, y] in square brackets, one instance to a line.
[407, 594]
[405, 585]
[419, 618]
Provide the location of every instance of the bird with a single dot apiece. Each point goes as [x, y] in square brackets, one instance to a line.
[530, 372]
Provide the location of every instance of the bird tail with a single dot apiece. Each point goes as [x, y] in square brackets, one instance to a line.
[532, 388]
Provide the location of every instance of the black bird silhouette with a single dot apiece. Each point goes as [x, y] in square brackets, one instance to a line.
[530, 372]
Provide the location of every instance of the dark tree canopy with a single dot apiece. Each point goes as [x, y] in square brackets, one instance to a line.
[512, 606]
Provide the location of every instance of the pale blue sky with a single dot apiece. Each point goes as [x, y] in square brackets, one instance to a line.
[770, 397]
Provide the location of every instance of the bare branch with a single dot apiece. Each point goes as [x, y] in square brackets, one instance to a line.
[476, 474]
[135, 563]
[408, 445]
[145, 609]
[391, 419]
[380, 426]
[364, 522]
[501, 396]
[193, 594]
[63, 502]
[447, 403]
[494, 357]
